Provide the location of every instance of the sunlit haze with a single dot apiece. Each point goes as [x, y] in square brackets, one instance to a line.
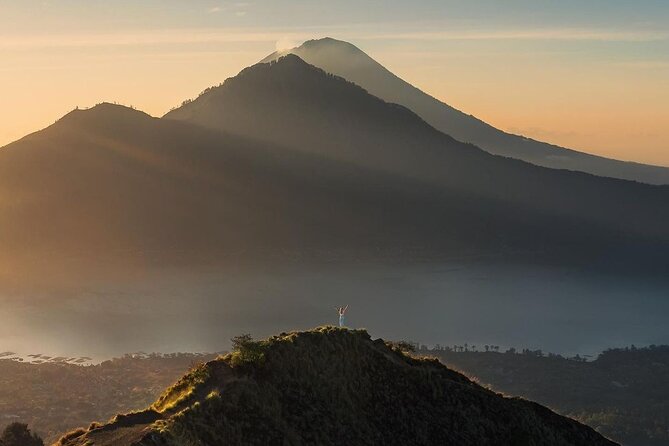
[592, 76]
[397, 222]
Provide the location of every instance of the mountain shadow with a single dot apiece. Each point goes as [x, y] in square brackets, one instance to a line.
[111, 185]
[333, 386]
[487, 197]
[346, 60]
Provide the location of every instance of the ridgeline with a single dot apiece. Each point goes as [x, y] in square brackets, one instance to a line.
[332, 386]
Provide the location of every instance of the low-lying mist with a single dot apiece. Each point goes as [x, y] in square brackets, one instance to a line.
[169, 310]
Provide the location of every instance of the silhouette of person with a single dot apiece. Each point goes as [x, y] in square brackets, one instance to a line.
[342, 311]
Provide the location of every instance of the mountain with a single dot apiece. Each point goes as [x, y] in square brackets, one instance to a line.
[285, 161]
[349, 62]
[112, 185]
[332, 386]
[481, 198]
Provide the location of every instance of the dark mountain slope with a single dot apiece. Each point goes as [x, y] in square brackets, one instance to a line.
[333, 386]
[113, 181]
[113, 185]
[346, 60]
[301, 106]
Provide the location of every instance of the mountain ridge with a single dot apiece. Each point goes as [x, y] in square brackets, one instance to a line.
[332, 386]
[111, 184]
[346, 60]
[293, 104]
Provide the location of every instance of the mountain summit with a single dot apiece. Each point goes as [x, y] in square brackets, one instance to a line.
[333, 386]
[472, 196]
[346, 60]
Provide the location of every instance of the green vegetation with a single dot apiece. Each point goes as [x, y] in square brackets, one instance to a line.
[17, 434]
[623, 393]
[246, 351]
[182, 390]
[331, 386]
[401, 346]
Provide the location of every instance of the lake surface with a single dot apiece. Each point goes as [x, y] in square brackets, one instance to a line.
[558, 310]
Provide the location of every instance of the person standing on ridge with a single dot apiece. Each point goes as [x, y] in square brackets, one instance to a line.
[342, 312]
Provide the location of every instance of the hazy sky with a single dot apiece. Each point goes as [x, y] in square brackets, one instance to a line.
[589, 74]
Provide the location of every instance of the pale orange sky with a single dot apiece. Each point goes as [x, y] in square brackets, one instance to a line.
[599, 87]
